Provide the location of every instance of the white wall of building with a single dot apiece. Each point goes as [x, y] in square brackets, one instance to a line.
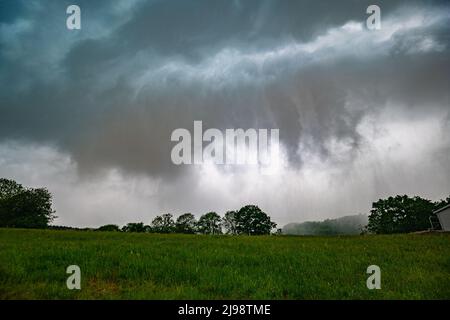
[444, 219]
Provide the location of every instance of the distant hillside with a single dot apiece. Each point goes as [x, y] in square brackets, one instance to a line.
[343, 225]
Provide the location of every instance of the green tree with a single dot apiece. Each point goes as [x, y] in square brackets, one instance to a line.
[441, 203]
[401, 214]
[210, 223]
[109, 227]
[9, 188]
[186, 223]
[163, 224]
[251, 220]
[135, 227]
[229, 222]
[24, 207]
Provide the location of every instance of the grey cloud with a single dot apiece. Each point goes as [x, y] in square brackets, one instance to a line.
[110, 95]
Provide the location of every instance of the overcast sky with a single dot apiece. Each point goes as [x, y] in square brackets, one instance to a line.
[363, 114]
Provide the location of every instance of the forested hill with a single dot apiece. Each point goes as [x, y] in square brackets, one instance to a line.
[344, 225]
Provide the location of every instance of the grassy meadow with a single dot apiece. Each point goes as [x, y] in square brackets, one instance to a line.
[149, 266]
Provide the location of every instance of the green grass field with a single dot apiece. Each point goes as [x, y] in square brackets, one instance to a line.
[149, 266]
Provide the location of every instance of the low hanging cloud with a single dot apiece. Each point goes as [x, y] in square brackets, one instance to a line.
[362, 114]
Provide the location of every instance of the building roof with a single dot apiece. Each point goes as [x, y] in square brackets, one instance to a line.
[442, 209]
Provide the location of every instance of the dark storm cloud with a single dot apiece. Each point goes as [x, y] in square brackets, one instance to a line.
[83, 96]
[110, 94]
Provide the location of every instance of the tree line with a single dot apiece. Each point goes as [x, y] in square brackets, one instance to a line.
[249, 220]
[22, 207]
[399, 214]
[403, 214]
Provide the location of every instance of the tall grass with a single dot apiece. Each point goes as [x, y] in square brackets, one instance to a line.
[151, 266]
